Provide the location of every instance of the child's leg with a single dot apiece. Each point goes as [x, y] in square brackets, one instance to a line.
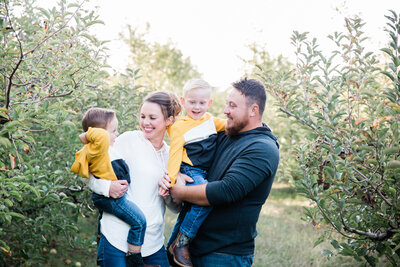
[196, 215]
[188, 222]
[177, 226]
[130, 213]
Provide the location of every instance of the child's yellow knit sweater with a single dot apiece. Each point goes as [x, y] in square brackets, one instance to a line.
[192, 142]
[93, 157]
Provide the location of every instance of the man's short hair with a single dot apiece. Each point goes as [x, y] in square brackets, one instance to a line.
[254, 92]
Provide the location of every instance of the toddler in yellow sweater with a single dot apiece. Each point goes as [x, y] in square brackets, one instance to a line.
[193, 144]
[98, 158]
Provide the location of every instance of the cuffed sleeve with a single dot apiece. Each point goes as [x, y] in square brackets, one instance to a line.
[98, 186]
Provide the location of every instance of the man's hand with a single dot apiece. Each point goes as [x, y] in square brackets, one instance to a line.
[179, 187]
[118, 188]
[183, 179]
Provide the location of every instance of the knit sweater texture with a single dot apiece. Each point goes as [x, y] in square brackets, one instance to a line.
[193, 141]
[93, 157]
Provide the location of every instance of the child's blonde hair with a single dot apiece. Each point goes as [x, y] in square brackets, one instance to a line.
[97, 117]
[195, 84]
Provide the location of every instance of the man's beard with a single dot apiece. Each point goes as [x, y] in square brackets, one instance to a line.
[235, 128]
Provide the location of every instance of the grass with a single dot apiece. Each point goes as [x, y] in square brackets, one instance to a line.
[284, 239]
[82, 253]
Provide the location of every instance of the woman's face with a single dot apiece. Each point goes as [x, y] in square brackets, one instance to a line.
[152, 121]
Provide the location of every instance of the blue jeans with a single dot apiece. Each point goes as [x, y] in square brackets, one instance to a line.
[110, 256]
[192, 216]
[127, 211]
[222, 260]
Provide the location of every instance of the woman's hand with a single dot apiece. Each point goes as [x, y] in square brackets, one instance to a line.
[164, 184]
[118, 188]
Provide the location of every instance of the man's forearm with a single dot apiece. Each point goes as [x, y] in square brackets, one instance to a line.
[195, 194]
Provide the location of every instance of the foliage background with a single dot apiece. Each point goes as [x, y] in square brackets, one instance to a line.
[336, 116]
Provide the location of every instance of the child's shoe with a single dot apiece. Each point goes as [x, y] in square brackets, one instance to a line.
[136, 260]
[180, 251]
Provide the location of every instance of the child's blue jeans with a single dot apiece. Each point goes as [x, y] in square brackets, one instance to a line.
[127, 211]
[192, 216]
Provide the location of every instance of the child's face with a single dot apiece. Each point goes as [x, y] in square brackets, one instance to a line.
[112, 129]
[196, 102]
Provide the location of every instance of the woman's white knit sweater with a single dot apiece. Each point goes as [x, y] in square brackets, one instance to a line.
[146, 167]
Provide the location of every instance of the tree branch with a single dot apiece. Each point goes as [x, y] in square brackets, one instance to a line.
[56, 96]
[297, 118]
[16, 150]
[55, 32]
[333, 225]
[22, 54]
[21, 57]
[42, 99]
[374, 236]
[376, 189]
[37, 130]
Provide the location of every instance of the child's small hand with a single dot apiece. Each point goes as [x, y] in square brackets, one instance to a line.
[163, 192]
[83, 139]
[164, 185]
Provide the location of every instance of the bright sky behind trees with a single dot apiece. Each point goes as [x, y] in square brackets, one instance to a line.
[214, 33]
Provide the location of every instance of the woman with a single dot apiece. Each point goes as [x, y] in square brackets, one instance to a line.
[146, 155]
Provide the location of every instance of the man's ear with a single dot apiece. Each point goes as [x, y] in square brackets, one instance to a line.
[254, 110]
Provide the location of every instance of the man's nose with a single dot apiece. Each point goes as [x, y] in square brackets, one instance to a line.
[226, 110]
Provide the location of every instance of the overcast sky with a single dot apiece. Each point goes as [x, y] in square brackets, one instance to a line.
[214, 33]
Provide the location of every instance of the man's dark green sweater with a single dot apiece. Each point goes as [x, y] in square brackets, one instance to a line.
[240, 180]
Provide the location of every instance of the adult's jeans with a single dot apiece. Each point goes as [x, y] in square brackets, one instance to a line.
[110, 256]
[127, 211]
[192, 216]
[222, 260]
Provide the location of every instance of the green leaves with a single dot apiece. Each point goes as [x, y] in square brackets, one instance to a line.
[349, 156]
[49, 91]
[393, 164]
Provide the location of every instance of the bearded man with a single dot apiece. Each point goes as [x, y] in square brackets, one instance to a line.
[239, 181]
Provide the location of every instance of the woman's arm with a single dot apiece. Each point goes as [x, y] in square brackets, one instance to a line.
[107, 188]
